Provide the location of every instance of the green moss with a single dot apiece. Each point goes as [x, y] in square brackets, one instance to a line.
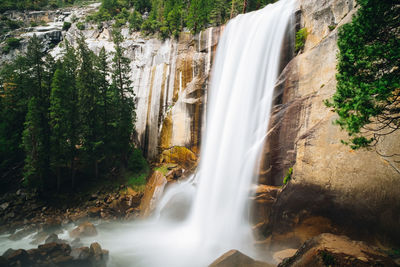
[301, 37]
[163, 169]
[137, 181]
[288, 176]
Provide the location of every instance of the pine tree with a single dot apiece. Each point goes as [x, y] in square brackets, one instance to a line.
[14, 91]
[88, 99]
[104, 103]
[123, 91]
[36, 136]
[70, 66]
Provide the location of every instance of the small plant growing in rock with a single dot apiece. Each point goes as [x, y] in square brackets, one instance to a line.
[80, 26]
[66, 26]
[288, 176]
[327, 258]
[301, 37]
[11, 43]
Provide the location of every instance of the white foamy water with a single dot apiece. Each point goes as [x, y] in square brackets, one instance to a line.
[198, 220]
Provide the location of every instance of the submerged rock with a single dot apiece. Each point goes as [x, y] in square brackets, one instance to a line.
[332, 250]
[85, 229]
[235, 258]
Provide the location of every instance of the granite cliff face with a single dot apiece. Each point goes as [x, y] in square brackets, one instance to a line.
[333, 188]
[170, 83]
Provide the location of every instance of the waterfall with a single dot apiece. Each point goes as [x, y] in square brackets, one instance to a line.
[202, 218]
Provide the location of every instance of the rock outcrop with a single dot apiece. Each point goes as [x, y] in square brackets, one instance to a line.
[235, 258]
[332, 250]
[169, 80]
[350, 191]
[85, 229]
[154, 189]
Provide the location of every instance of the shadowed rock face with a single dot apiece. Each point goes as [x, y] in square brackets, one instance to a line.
[332, 250]
[305, 210]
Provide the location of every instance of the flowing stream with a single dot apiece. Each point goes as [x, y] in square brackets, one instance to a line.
[204, 217]
[198, 220]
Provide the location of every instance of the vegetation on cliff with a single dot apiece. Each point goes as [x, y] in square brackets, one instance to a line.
[67, 120]
[32, 5]
[169, 18]
[367, 99]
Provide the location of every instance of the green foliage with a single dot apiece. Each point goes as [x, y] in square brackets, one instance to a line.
[332, 27]
[301, 37]
[137, 163]
[170, 17]
[74, 117]
[163, 169]
[11, 43]
[7, 24]
[288, 176]
[137, 181]
[138, 170]
[135, 21]
[367, 96]
[80, 26]
[327, 258]
[32, 5]
[150, 26]
[66, 26]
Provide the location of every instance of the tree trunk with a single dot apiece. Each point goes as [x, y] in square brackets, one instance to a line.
[233, 8]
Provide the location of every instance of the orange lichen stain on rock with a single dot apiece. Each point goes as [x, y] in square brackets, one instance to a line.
[166, 132]
[183, 75]
[163, 83]
[153, 70]
[197, 119]
[179, 155]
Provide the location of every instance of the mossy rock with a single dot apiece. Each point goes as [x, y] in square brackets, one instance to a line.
[179, 155]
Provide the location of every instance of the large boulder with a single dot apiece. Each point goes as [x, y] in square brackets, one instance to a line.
[85, 229]
[235, 258]
[154, 189]
[332, 250]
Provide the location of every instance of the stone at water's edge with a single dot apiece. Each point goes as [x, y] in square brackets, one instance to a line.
[333, 250]
[154, 188]
[56, 255]
[235, 258]
[85, 229]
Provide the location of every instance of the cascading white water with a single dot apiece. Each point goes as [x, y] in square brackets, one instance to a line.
[202, 218]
